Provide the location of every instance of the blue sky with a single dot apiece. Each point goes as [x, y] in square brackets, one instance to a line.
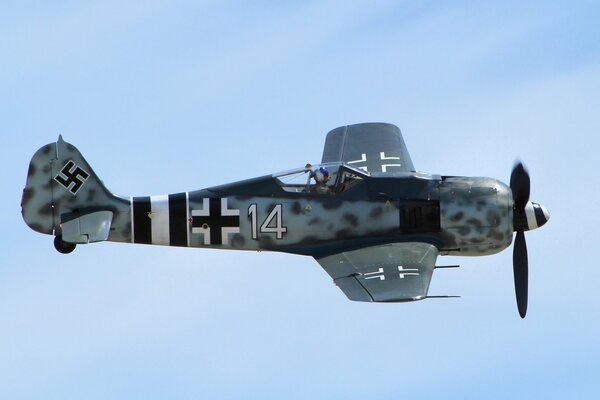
[167, 96]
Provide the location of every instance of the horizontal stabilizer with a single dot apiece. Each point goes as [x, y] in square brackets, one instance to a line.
[88, 228]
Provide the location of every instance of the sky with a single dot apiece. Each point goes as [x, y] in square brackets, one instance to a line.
[169, 96]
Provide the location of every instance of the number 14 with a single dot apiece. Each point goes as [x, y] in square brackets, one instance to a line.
[276, 214]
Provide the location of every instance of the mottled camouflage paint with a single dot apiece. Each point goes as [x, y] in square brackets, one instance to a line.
[45, 201]
[476, 213]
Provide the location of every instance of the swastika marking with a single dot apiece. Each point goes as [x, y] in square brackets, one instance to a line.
[71, 177]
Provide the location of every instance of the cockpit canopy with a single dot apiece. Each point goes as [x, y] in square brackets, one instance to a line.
[341, 177]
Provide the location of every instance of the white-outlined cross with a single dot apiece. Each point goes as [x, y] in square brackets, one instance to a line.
[382, 157]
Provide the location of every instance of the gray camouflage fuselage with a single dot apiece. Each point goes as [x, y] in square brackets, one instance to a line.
[459, 215]
[475, 217]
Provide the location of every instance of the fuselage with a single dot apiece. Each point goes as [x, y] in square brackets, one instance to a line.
[459, 215]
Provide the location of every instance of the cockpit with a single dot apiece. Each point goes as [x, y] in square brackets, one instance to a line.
[323, 179]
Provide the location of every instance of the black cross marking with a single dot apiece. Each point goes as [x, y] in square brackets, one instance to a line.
[215, 221]
[381, 161]
[71, 174]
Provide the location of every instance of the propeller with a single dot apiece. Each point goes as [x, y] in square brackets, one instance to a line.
[520, 187]
[521, 272]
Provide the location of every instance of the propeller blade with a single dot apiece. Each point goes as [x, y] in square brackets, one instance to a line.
[520, 186]
[520, 269]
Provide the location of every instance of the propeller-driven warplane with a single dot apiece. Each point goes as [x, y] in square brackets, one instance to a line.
[373, 222]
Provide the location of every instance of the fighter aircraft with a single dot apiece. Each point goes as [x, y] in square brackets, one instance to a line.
[373, 222]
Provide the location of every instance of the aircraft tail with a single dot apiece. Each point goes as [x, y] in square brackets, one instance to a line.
[63, 196]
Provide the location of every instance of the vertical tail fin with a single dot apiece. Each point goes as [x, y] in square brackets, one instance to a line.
[62, 187]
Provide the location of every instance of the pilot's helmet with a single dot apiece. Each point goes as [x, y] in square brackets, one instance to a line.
[322, 175]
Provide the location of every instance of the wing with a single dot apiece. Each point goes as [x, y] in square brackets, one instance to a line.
[374, 147]
[388, 273]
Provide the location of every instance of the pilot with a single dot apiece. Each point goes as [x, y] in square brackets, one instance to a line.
[321, 176]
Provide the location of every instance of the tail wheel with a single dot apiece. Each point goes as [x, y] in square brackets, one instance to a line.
[63, 247]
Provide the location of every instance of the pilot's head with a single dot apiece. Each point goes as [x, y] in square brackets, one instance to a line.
[322, 175]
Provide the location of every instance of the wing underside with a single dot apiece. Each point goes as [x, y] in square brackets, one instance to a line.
[387, 273]
[374, 147]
